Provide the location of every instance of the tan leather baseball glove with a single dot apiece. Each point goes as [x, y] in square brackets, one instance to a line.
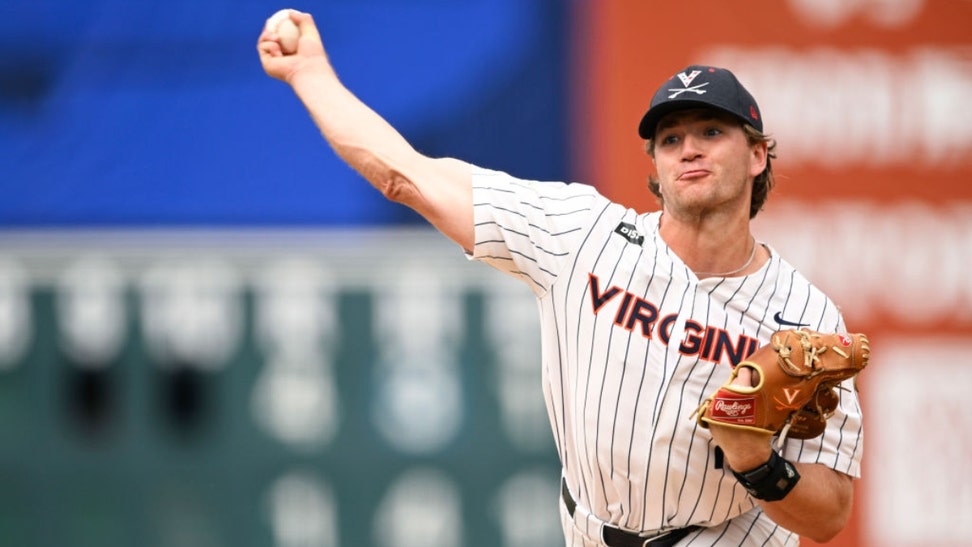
[796, 376]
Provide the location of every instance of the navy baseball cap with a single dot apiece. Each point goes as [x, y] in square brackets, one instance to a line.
[701, 86]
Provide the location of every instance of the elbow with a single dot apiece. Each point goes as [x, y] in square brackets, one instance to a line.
[831, 512]
[837, 525]
[396, 187]
[824, 534]
[826, 531]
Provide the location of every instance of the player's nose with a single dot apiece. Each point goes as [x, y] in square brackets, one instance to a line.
[691, 147]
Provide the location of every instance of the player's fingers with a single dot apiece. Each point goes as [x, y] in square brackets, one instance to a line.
[267, 35]
[746, 376]
[305, 22]
[743, 376]
[269, 48]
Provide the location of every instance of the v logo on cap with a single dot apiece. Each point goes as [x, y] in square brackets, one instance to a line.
[687, 78]
[718, 89]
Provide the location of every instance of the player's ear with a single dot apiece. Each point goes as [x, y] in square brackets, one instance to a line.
[650, 149]
[759, 154]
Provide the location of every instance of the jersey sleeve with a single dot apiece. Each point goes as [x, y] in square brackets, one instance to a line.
[530, 229]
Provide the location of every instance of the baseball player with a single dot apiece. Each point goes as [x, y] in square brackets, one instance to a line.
[643, 315]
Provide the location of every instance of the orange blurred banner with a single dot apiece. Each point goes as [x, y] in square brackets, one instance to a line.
[865, 98]
[871, 104]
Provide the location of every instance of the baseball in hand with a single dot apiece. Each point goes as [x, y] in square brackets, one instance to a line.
[285, 29]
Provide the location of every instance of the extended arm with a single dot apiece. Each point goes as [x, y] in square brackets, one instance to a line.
[438, 189]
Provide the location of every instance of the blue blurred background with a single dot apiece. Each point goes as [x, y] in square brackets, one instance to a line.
[119, 113]
[213, 332]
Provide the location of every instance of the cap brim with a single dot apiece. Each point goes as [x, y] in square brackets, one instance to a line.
[646, 129]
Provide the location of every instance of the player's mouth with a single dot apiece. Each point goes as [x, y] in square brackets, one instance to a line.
[693, 174]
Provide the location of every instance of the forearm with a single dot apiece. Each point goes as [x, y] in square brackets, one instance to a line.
[818, 507]
[357, 134]
[438, 189]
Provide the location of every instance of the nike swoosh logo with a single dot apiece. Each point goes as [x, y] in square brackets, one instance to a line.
[779, 319]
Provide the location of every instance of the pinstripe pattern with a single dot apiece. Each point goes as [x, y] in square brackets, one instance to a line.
[632, 341]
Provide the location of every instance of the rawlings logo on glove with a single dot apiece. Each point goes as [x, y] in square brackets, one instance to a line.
[796, 377]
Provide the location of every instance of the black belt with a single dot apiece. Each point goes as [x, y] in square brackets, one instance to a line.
[616, 537]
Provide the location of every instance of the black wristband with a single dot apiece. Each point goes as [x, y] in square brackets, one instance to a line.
[771, 481]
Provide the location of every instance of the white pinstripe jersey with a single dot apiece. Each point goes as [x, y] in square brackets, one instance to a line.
[619, 389]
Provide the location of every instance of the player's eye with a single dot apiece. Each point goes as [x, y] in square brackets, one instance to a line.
[713, 132]
[667, 140]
